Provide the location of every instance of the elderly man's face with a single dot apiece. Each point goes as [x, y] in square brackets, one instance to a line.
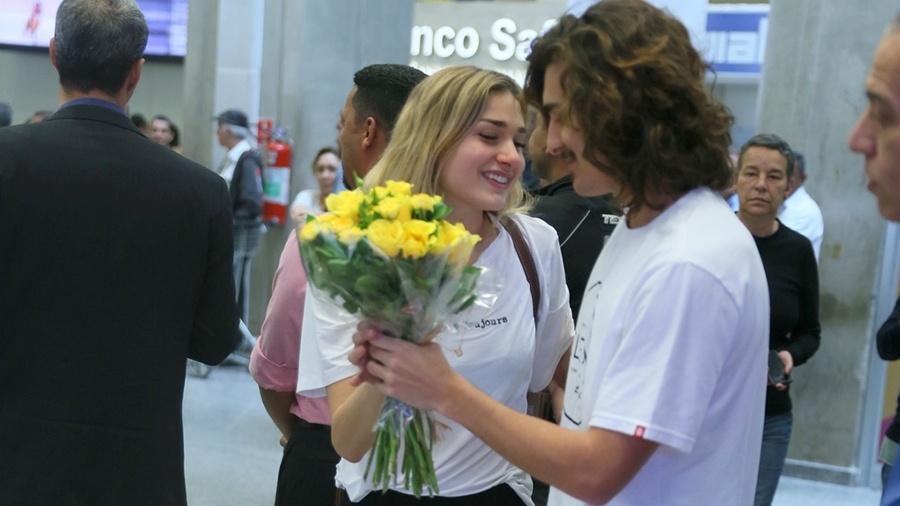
[877, 132]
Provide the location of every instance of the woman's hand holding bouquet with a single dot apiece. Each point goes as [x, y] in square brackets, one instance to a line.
[389, 256]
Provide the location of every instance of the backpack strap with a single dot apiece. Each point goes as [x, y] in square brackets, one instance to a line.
[527, 261]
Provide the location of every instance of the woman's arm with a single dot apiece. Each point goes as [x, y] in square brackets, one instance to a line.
[354, 412]
[806, 334]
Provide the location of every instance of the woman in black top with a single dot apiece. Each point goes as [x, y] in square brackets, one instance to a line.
[764, 168]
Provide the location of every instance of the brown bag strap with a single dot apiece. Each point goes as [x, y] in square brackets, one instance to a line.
[527, 261]
[540, 404]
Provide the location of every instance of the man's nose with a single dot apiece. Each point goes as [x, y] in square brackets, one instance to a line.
[860, 141]
[555, 145]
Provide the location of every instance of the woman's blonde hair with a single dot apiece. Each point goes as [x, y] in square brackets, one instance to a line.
[437, 116]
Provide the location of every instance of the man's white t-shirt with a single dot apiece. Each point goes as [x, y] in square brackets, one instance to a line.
[499, 351]
[801, 214]
[671, 346]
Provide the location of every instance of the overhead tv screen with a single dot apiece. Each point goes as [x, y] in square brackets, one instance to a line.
[30, 24]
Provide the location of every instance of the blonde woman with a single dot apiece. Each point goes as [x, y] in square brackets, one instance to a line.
[461, 135]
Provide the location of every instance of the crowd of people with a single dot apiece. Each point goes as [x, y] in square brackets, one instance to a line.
[647, 331]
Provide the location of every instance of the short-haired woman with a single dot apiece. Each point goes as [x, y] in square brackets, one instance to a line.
[765, 165]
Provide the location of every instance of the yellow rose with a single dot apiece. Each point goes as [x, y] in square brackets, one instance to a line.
[386, 235]
[309, 231]
[447, 237]
[380, 192]
[394, 208]
[462, 251]
[399, 188]
[351, 235]
[334, 223]
[415, 247]
[421, 230]
[424, 202]
[345, 203]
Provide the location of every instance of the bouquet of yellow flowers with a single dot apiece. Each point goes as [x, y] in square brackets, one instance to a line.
[389, 256]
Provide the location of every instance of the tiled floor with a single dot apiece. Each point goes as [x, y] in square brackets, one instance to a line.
[231, 447]
[232, 452]
[794, 492]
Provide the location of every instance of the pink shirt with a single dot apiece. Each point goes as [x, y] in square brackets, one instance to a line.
[273, 363]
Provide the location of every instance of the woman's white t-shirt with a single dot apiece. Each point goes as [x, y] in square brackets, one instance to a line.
[497, 352]
[671, 346]
[308, 199]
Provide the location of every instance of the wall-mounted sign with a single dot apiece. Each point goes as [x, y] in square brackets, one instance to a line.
[505, 41]
[498, 35]
[492, 35]
[736, 38]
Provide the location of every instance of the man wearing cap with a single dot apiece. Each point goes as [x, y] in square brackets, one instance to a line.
[115, 266]
[242, 170]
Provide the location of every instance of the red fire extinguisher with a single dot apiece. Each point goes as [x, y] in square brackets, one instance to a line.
[277, 177]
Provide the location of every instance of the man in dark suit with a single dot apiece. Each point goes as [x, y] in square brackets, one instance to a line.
[115, 266]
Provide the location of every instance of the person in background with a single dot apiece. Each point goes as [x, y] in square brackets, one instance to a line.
[242, 170]
[5, 114]
[325, 165]
[114, 271]
[306, 474]
[799, 211]
[140, 122]
[765, 168]
[666, 382]
[38, 117]
[164, 132]
[876, 136]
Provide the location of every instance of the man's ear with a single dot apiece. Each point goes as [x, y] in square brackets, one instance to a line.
[134, 76]
[370, 132]
[53, 53]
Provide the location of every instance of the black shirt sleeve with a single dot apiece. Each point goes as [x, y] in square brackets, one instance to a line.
[806, 335]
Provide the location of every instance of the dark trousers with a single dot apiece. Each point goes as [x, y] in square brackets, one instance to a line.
[776, 437]
[246, 240]
[541, 492]
[306, 475]
[890, 495]
[501, 495]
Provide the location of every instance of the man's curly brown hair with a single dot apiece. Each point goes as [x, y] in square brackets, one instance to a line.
[634, 85]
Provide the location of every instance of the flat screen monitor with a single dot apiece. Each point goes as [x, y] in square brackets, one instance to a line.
[30, 24]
